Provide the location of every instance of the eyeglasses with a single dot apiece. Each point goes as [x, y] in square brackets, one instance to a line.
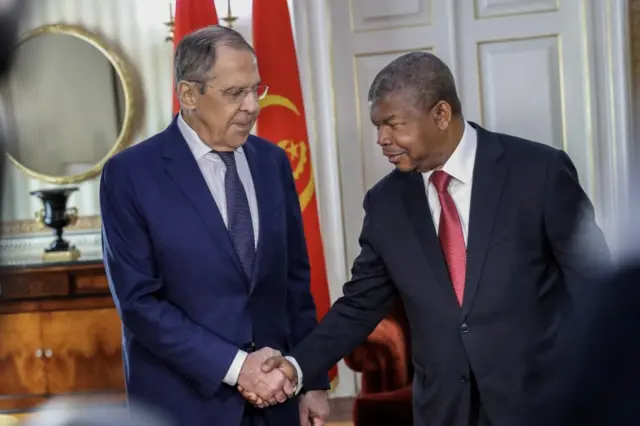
[238, 95]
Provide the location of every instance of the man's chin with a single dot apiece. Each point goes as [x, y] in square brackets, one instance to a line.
[405, 167]
[238, 140]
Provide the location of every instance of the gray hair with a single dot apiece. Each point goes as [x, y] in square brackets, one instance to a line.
[421, 75]
[196, 53]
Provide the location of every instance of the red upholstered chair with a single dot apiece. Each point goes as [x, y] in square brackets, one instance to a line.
[385, 363]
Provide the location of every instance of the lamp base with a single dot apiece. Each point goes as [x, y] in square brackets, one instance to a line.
[61, 256]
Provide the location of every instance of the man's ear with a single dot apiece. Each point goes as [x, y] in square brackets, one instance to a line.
[187, 94]
[442, 115]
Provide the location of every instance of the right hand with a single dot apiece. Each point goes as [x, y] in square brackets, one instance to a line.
[276, 364]
[262, 387]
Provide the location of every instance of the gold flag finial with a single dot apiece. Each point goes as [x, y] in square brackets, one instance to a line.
[229, 19]
[171, 23]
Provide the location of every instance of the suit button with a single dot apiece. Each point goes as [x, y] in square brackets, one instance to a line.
[464, 327]
[464, 379]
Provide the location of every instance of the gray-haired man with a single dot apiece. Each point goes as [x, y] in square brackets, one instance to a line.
[205, 251]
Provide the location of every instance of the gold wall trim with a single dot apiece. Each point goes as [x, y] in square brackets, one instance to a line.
[126, 133]
[14, 228]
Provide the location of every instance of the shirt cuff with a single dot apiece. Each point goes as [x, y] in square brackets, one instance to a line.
[231, 378]
[298, 370]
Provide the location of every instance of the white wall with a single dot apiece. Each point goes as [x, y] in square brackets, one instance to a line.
[531, 68]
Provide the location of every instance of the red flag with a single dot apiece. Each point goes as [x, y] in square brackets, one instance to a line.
[191, 15]
[282, 120]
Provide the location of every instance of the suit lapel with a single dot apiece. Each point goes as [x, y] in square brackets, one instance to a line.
[417, 208]
[182, 168]
[489, 175]
[262, 169]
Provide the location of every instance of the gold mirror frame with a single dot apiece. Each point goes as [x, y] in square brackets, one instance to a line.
[124, 138]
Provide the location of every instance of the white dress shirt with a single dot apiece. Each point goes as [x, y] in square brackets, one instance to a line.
[213, 170]
[460, 167]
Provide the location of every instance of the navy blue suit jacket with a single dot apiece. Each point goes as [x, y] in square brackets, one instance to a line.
[185, 304]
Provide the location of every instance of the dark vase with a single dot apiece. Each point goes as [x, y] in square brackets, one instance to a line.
[57, 216]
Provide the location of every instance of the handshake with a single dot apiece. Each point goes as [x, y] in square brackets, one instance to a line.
[267, 378]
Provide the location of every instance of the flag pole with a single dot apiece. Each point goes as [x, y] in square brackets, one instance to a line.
[229, 19]
[171, 23]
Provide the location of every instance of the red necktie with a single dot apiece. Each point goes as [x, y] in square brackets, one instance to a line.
[450, 234]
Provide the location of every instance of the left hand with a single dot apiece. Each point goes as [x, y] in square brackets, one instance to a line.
[314, 408]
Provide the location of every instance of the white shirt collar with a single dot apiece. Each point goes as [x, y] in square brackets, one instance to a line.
[198, 148]
[460, 164]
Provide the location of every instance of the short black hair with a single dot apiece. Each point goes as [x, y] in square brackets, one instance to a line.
[419, 74]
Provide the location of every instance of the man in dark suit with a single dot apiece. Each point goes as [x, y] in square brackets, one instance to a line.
[484, 236]
[205, 251]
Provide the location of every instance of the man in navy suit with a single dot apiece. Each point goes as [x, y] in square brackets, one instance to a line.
[205, 251]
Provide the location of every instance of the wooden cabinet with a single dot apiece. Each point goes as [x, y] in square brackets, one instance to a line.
[59, 334]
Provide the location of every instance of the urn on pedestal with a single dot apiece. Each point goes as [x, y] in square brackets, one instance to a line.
[57, 216]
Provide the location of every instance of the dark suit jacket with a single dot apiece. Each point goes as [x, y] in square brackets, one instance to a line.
[596, 375]
[527, 208]
[183, 298]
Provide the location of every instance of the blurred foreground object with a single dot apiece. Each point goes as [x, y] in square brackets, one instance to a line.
[597, 375]
[78, 412]
[10, 11]
[8, 420]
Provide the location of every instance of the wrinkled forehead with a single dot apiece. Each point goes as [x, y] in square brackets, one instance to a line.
[235, 67]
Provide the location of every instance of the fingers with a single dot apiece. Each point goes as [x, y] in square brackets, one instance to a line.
[289, 388]
[280, 396]
[270, 387]
[273, 383]
[305, 414]
[253, 398]
[286, 368]
[273, 363]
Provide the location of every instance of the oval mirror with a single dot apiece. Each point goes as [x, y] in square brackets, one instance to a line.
[70, 98]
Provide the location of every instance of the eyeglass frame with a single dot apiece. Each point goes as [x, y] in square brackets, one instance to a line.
[244, 91]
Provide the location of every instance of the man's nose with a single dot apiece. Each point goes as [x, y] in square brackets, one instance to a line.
[251, 103]
[384, 138]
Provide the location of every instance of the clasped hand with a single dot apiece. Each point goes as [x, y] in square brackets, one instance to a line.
[267, 378]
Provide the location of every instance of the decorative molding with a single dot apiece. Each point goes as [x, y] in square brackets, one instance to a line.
[15, 228]
[29, 248]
